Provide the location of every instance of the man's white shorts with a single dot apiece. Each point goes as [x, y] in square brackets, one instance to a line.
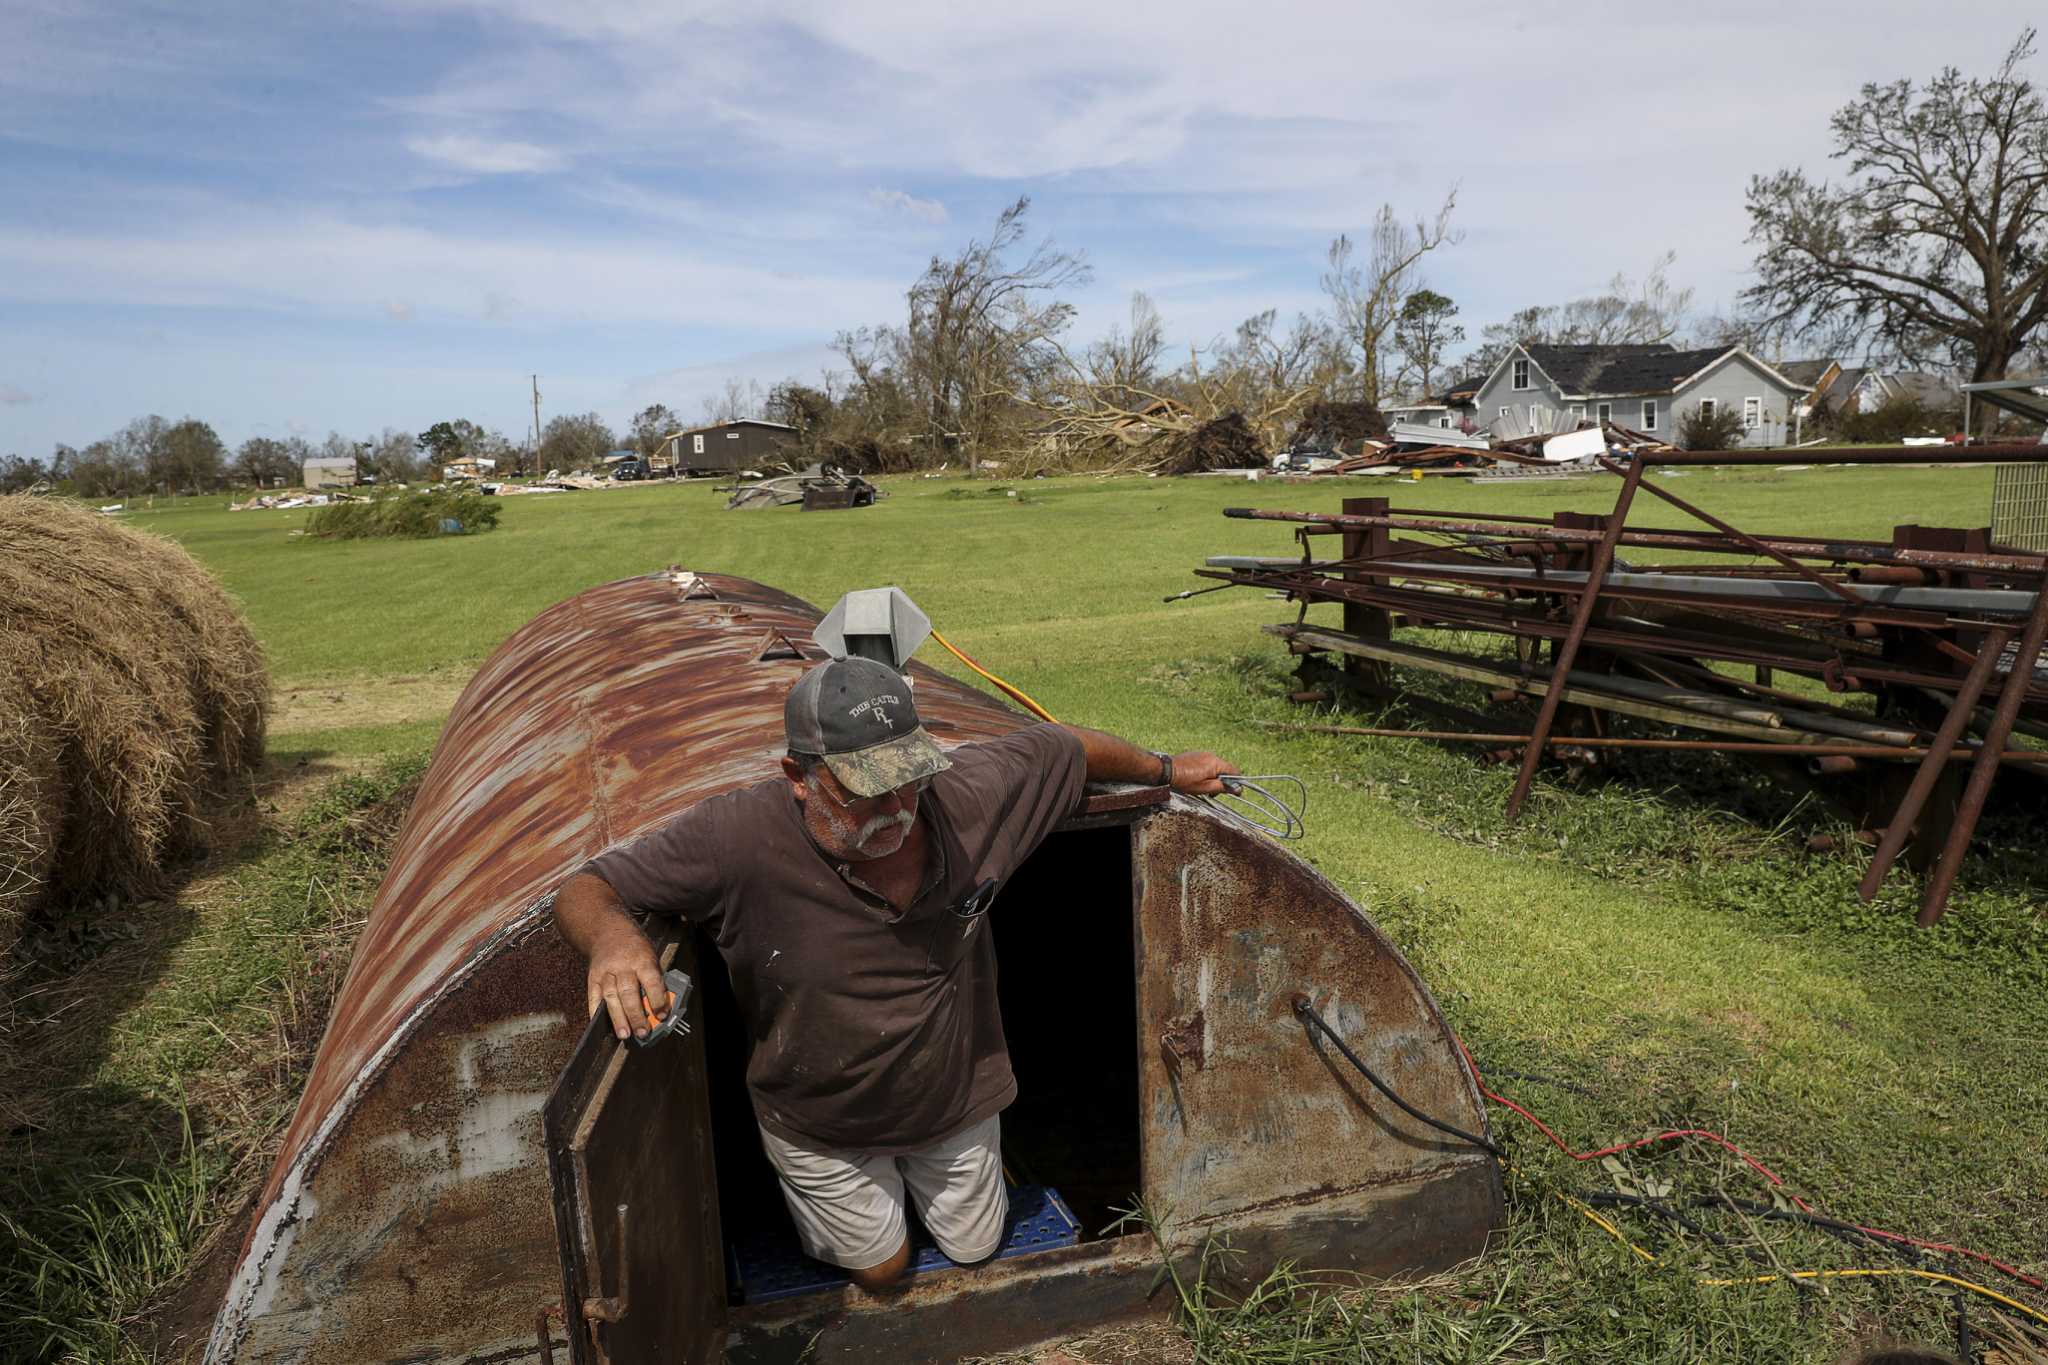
[848, 1206]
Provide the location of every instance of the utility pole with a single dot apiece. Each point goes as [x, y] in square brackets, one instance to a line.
[536, 425]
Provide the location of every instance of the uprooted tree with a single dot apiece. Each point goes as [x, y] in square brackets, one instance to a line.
[1935, 246]
[1113, 408]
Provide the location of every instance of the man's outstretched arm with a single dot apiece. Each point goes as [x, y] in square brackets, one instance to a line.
[622, 968]
[1196, 772]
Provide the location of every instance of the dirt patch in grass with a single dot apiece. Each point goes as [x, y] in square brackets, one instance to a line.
[346, 703]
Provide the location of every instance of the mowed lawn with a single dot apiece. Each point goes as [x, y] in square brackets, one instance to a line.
[1660, 939]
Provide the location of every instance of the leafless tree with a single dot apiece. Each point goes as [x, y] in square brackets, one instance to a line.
[981, 328]
[1936, 244]
[1627, 312]
[739, 398]
[1127, 361]
[1368, 290]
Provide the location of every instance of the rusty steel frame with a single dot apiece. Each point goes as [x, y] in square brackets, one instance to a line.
[1423, 607]
[1848, 643]
[1943, 877]
[1938, 754]
[1568, 653]
[1843, 551]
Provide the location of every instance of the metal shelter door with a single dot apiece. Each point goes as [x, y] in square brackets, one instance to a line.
[628, 1134]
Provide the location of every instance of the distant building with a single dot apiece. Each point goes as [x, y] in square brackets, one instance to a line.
[1647, 388]
[725, 446]
[1450, 410]
[329, 473]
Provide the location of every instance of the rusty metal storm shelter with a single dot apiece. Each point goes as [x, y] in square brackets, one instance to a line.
[476, 1174]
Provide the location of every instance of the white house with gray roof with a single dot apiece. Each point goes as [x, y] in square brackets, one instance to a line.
[1646, 388]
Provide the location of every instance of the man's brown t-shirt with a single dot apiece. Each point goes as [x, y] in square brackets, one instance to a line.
[871, 1030]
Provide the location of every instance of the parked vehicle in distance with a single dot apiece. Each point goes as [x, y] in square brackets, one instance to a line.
[631, 469]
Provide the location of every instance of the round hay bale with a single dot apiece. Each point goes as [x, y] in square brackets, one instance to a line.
[143, 680]
[31, 806]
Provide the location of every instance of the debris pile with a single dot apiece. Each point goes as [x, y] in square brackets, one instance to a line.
[1941, 630]
[1339, 427]
[266, 502]
[1227, 442]
[821, 487]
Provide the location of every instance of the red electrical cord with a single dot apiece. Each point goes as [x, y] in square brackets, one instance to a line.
[1766, 1172]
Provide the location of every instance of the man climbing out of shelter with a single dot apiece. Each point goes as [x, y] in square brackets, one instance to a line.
[847, 898]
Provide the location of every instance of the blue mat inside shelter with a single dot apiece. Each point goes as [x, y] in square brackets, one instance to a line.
[768, 1263]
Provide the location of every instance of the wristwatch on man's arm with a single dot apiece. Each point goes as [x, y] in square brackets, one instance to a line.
[1165, 768]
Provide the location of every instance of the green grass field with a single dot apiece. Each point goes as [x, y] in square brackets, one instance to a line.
[1659, 940]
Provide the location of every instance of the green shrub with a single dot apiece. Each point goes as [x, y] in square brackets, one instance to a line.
[409, 516]
[1897, 418]
[1720, 429]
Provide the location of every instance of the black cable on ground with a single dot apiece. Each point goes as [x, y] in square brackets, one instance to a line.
[1664, 1209]
[1963, 1349]
[1847, 1232]
[1313, 1021]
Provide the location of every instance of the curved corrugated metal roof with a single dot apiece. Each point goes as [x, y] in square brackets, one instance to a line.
[565, 742]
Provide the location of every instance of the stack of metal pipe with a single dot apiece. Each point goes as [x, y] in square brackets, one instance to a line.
[1920, 654]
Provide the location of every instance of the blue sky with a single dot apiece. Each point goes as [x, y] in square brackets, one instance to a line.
[288, 218]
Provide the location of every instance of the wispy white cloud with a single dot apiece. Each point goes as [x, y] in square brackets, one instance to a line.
[486, 156]
[14, 396]
[398, 310]
[900, 201]
[320, 265]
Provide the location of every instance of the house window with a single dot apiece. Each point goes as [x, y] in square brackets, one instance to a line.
[1578, 414]
[1649, 415]
[1606, 411]
[1444, 422]
[1752, 413]
[1708, 406]
[1521, 374]
[1503, 414]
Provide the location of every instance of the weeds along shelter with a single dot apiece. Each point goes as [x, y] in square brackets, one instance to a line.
[131, 694]
[476, 1173]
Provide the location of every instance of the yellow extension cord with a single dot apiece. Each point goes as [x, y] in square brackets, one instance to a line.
[1016, 693]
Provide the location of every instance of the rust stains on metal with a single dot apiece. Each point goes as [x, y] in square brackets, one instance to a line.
[412, 1171]
[1230, 931]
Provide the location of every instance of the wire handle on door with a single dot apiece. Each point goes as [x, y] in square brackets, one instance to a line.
[1246, 800]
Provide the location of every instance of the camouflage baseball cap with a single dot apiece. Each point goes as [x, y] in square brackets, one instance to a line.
[858, 715]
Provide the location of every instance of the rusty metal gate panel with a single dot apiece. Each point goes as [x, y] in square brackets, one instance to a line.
[636, 1197]
[1241, 1113]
